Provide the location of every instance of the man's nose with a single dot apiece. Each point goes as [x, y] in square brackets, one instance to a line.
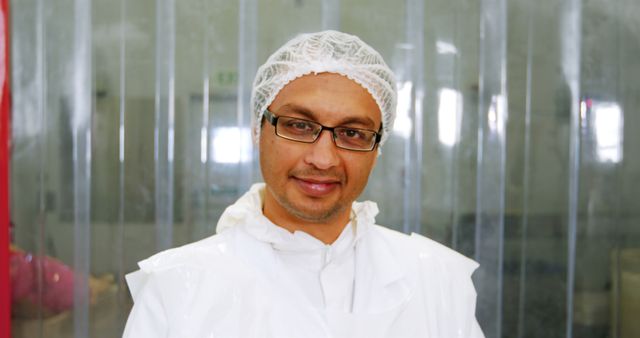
[323, 153]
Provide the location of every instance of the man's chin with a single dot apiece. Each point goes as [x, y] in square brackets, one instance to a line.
[310, 209]
[315, 213]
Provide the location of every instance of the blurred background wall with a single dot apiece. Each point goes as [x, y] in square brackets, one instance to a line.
[514, 144]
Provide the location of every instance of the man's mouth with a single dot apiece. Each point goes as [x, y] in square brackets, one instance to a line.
[316, 186]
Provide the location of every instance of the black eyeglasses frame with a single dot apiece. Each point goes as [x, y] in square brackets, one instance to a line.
[273, 120]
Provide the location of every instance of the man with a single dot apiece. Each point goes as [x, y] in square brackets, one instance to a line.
[296, 256]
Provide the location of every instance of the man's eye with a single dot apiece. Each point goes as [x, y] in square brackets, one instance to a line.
[298, 125]
[352, 133]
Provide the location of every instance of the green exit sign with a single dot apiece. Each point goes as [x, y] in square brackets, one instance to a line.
[227, 78]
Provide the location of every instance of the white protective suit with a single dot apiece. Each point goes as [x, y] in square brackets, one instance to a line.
[254, 279]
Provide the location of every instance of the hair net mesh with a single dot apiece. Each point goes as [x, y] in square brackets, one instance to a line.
[326, 51]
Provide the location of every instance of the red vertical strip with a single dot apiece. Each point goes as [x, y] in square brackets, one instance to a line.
[5, 138]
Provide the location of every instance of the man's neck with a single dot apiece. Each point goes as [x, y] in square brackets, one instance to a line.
[327, 231]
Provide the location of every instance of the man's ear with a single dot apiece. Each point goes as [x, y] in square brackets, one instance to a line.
[257, 130]
[378, 150]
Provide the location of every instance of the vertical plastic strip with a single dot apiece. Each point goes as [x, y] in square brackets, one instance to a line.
[454, 69]
[526, 174]
[492, 117]
[5, 137]
[247, 66]
[331, 14]
[451, 72]
[119, 245]
[29, 128]
[571, 45]
[625, 80]
[164, 121]
[81, 129]
[41, 103]
[204, 223]
[403, 56]
[414, 33]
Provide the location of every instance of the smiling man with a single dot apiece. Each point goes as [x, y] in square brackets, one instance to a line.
[296, 256]
[312, 183]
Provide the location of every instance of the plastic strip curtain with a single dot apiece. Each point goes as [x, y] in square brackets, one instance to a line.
[39, 95]
[28, 136]
[165, 121]
[247, 66]
[5, 136]
[81, 124]
[331, 14]
[118, 245]
[121, 114]
[203, 225]
[625, 260]
[490, 190]
[414, 73]
[161, 41]
[526, 176]
[571, 41]
[444, 117]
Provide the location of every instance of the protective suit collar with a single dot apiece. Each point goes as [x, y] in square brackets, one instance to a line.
[247, 213]
[380, 283]
[250, 206]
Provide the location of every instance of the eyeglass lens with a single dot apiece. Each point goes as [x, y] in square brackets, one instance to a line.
[308, 131]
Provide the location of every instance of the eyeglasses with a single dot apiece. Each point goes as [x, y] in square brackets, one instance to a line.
[305, 131]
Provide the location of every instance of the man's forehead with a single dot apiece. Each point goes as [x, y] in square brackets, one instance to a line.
[344, 117]
[328, 95]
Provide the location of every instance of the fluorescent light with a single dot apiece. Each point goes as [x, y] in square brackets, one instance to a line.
[607, 124]
[444, 47]
[449, 115]
[231, 145]
[403, 124]
[203, 145]
[496, 115]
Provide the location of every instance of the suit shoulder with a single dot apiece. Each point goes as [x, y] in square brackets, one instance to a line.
[178, 265]
[201, 253]
[425, 249]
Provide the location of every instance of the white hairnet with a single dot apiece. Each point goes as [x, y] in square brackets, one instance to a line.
[326, 51]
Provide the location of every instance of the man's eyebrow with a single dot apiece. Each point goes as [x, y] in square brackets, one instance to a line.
[292, 108]
[364, 121]
[308, 114]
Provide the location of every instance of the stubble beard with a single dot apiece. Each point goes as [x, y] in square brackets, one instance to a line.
[311, 216]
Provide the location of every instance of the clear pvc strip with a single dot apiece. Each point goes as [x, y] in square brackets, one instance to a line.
[526, 177]
[81, 122]
[164, 132]
[331, 14]
[196, 124]
[492, 138]
[28, 164]
[414, 35]
[626, 260]
[447, 110]
[41, 98]
[571, 45]
[203, 225]
[247, 66]
[119, 236]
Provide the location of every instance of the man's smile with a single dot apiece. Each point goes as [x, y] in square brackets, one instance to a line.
[316, 186]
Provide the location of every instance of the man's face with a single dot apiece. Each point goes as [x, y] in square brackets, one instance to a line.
[317, 182]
